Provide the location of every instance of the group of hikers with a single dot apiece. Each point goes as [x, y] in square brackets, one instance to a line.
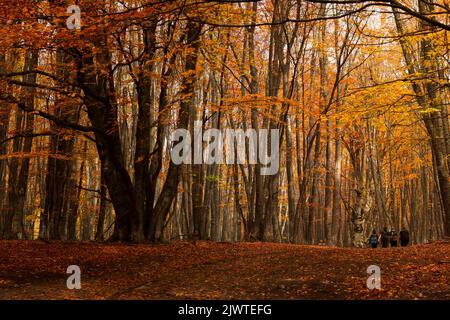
[389, 237]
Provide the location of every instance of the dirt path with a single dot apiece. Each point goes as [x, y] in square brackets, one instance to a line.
[203, 270]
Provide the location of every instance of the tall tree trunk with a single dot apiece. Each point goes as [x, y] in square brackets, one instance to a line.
[5, 111]
[60, 164]
[426, 95]
[337, 184]
[143, 182]
[102, 112]
[18, 173]
[170, 187]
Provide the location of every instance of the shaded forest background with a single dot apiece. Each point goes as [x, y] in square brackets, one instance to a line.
[359, 90]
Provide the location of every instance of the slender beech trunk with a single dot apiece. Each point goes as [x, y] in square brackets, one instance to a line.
[170, 187]
[18, 168]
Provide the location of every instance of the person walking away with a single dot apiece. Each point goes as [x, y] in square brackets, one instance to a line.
[393, 238]
[404, 237]
[373, 239]
[385, 238]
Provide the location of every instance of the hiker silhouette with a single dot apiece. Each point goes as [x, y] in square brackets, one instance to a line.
[404, 237]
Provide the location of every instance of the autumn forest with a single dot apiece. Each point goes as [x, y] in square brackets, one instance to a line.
[92, 91]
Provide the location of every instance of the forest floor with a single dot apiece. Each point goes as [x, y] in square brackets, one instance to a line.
[206, 270]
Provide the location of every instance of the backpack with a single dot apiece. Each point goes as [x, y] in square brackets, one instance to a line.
[373, 239]
[384, 236]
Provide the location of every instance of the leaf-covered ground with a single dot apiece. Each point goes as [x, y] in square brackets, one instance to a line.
[204, 270]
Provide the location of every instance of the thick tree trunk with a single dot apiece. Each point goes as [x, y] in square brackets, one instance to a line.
[102, 112]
